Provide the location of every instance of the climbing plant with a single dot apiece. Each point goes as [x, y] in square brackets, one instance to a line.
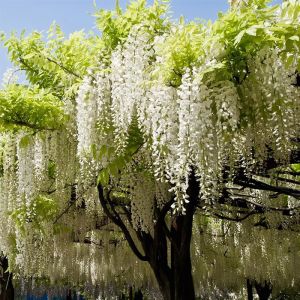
[117, 142]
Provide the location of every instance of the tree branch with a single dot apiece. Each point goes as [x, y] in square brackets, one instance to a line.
[258, 185]
[271, 208]
[277, 178]
[113, 215]
[237, 219]
[64, 68]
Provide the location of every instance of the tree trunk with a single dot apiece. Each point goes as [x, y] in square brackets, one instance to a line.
[69, 295]
[182, 274]
[174, 278]
[263, 290]
[249, 289]
[175, 281]
[181, 265]
[138, 295]
[6, 289]
[180, 281]
[157, 251]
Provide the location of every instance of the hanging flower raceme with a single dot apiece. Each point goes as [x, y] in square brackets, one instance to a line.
[197, 125]
[163, 105]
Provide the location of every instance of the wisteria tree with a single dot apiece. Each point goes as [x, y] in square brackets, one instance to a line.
[135, 134]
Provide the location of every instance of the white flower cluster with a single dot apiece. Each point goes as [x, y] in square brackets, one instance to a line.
[225, 252]
[142, 207]
[93, 116]
[129, 67]
[270, 105]
[200, 126]
[34, 166]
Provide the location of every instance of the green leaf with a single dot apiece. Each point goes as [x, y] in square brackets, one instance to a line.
[295, 167]
[294, 38]
[239, 37]
[251, 31]
[102, 151]
[29, 55]
[120, 162]
[94, 151]
[103, 177]
[25, 141]
[51, 169]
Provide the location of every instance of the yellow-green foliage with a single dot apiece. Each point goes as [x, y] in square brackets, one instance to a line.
[55, 68]
[181, 50]
[58, 63]
[31, 107]
[116, 25]
[244, 31]
[236, 35]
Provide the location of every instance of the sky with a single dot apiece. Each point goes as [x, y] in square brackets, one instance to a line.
[73, 15]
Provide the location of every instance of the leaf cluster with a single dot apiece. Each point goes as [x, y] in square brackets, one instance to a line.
[231, 40]
[119, 161]
[53, 70]
[31, 107]
[115, 25]
[180, 50]
[57, 63]
[242, 32]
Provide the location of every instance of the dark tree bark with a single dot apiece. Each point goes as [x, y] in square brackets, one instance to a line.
[132, 295]
[263, 290]
[181, 234]
[6, 289]
[249, 289]
[130, 292]
[138, 295]
[69, 295]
